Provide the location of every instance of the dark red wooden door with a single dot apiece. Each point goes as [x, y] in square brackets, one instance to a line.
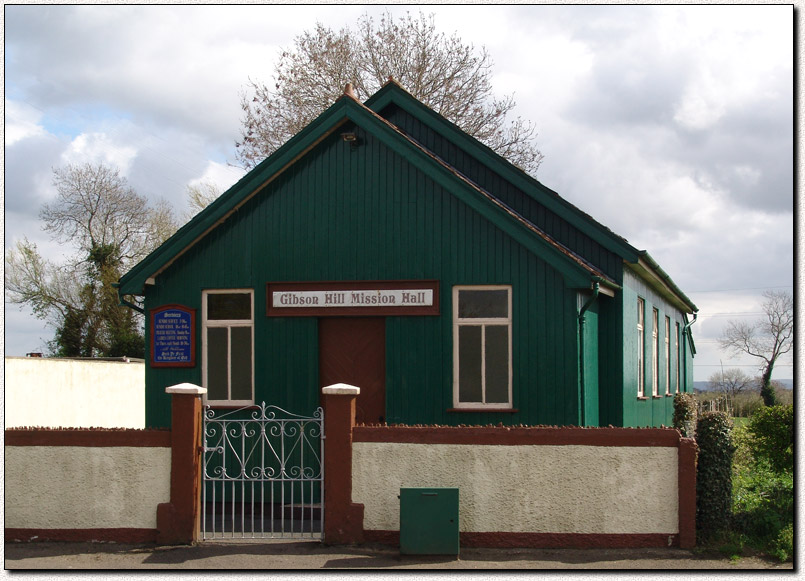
[353, 351]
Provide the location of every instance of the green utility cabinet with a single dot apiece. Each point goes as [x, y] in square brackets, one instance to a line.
[429, 521]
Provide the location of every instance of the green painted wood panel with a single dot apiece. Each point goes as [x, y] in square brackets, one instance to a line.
[650, 411]
[590, 368]
[363, 213]
[528, 207]
[610, 364]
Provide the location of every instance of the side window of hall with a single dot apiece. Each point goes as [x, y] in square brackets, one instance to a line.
[482, 351]
[228, 346]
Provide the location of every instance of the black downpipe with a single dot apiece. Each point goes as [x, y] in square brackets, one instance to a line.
[686, 333]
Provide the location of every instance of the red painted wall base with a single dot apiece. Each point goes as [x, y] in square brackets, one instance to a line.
[82, 535]
[544, 540]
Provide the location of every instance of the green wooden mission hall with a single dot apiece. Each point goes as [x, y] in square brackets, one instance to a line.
[383, 247]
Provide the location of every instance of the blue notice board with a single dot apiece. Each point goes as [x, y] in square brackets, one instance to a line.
[173, 336]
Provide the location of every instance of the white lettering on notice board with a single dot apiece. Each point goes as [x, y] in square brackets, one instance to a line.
[353, 298]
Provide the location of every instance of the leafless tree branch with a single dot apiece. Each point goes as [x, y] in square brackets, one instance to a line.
[767, 339]
[452, 78]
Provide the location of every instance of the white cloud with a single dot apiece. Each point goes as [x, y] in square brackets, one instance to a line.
[737, 52]
[21, 122]
[221, 175]
[100, 148]
[182, 66]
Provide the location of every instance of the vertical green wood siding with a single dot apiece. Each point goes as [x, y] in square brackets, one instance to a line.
[611, 359]
[591, 369]
[524, 204]
[650, 411]
[363, 213]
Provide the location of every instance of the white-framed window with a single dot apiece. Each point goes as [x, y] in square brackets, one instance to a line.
[641, 347]
[667, 355]
[482, 347]
[655, 353]
[228, 346]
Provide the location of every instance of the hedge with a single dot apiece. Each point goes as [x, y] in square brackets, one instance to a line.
[685, 414]
[714, 473]
[772, 431]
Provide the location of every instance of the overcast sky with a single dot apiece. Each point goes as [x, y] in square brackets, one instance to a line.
[673, 125]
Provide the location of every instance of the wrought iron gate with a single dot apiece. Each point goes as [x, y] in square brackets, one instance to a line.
[263, 474]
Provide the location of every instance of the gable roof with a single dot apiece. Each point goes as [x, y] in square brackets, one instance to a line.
[393, 93]
[578, 272]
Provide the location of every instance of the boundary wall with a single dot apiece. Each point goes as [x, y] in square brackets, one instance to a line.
[98, 484]
[86, 485]
[518, 486]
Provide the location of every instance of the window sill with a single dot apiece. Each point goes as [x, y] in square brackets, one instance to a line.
[642, 398]
[224, 405]
[669, 395]
[479, 410]
[656, 397]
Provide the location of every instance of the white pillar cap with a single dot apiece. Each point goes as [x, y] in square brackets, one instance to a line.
[341, 389]
[186, 388]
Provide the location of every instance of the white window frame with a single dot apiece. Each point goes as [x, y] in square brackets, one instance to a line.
[667, 355]
[228, 324]
[655, 356]
[641, 347]
[482, 322]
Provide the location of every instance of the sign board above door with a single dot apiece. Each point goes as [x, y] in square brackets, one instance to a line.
[352, 298]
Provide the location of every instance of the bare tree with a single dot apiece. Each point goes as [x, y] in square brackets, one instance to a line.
[162, 223]
[42, 285]
[96, 208]
[201, 195]
[766, 339]
[108, 227]
[732, 382]
[441, 71]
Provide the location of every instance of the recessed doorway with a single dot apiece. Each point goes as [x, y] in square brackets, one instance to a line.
[352, 350]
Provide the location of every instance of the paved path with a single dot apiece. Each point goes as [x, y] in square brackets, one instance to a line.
[283, 555]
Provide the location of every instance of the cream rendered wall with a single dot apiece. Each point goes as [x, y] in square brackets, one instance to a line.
[540, 489]
[71, 393]
[72, 487]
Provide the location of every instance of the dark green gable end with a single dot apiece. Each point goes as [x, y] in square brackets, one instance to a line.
[364, 213]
